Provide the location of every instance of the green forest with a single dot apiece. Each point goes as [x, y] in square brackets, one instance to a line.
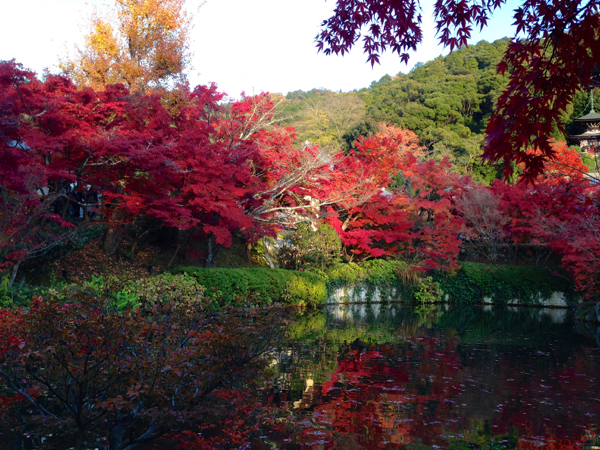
[446, 102]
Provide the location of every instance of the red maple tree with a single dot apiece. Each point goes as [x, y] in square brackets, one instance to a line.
[558, 212]
[409, 210]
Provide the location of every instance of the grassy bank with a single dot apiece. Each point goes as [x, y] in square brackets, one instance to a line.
[471, 284]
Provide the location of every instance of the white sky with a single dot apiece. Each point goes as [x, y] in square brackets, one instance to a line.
[242, 45]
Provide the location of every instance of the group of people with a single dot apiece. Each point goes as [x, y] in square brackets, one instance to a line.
[76, 204]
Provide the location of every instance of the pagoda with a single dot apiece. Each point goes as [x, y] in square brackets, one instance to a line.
[589, 141]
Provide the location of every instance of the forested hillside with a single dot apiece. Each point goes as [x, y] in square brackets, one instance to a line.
[446, 102]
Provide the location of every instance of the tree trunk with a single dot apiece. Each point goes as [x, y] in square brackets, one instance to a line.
[267, 250]
[111, 241]
[65, 208]
[170, 265]
[136, 243]
[134, 248]
[213, 249]
[14, 273]
[249, 251]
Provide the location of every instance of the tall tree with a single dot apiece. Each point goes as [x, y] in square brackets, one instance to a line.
[553, 57]
[140, 43]
[324, 119]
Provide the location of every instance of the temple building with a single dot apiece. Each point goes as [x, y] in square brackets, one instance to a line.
[589, 140]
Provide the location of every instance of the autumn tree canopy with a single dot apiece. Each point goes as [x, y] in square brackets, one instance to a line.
[214, 171]
[140, 43]
[554, 56]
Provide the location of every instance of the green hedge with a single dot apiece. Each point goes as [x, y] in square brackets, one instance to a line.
[372, 271]
[268, 285]
[469, 285]
[503, 283]
[290, 286]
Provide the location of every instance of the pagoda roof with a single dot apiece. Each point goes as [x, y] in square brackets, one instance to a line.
[587, 135]
[589, 117]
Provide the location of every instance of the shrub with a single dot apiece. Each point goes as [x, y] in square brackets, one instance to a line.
[373, 277]
[306, 248]
[426, 292]
[307, 289]
[86, 235]
[22, 294]
[95, 377]
[349, 273]
[372, 271]
[4, 299]
[166, 288]
[408, 275]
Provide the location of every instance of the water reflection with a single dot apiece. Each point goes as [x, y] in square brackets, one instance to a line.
[377, 375]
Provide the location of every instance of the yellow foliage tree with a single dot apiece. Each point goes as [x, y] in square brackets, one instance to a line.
[324, 119]
[140, 43]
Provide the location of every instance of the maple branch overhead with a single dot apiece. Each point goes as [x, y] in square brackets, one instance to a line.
[540, 87]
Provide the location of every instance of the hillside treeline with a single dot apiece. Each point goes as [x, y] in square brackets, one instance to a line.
[446, 102]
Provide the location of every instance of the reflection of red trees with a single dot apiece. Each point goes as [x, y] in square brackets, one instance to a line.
[388, 400]
[551, 444]
[551, 408]
[428, 390]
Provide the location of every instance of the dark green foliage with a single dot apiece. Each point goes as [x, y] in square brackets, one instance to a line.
[224, 286]
[87, 235]
[474, 281]
[302, 95]
[581, 105]
[365, 129]
[4, 299]
[591, 162]
[163, 288]
[446, 102]
[22, 294]
[469, 285]
[321, 116]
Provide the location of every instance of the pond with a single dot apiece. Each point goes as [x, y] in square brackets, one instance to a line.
[385, 376]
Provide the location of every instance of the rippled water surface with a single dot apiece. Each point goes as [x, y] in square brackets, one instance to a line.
[385, 376]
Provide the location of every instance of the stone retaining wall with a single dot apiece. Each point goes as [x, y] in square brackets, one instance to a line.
[556, 300]
[364, 293]
[368, 293]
